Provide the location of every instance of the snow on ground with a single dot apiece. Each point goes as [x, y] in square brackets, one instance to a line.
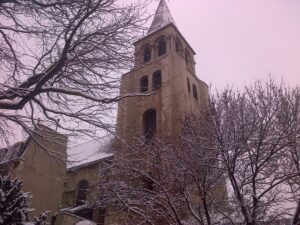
[90, 151]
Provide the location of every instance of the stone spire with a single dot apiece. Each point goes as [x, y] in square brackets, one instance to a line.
[162, 17]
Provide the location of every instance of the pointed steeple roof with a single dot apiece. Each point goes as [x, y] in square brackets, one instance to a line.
[162, 17]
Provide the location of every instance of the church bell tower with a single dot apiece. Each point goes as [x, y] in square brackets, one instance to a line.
[165, 82]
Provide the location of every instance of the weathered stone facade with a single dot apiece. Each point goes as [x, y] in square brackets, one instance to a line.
[89, 173]
[41, 166]
[173, 100]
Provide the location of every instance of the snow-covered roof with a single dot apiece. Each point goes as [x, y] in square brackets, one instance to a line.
[161, 18]
[90, 151]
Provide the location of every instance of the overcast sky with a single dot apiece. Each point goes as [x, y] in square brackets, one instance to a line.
[238, 41]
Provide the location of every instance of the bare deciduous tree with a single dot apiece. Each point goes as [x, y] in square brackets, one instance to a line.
[162, 183]
[250, 138]
[254, 130]
[61, 61]
[142, 185]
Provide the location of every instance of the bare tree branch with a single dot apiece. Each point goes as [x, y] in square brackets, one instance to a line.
[67, 55]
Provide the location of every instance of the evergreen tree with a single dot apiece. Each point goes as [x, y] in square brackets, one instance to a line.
[14, 209]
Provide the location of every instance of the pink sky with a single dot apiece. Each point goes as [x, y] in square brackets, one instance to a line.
[237, 41]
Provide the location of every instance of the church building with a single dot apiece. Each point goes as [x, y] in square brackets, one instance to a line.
[167, 90]
[164, 90]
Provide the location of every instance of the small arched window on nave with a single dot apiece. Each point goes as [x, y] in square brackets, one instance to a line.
[82, 189]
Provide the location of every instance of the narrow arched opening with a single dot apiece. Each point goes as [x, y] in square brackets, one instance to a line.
[188, 85]
[149, 124]
[195, 92]
[162, 47]
[147, 54]
[156, 80]
[144, 84]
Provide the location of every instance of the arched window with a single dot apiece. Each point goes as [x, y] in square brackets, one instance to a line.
[188, 84]
[162, 47]
[144, 84]
[147, 54]
[178, 45]
[83, 186]
[150, 124]
[156, 80]
[195, 94]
